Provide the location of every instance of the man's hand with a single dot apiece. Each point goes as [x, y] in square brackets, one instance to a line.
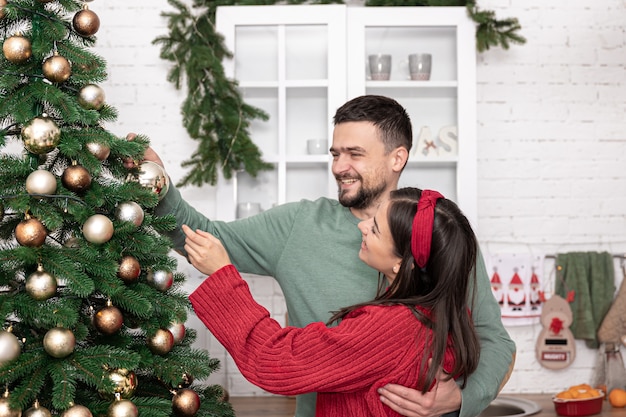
[445, 397]
[149, 155]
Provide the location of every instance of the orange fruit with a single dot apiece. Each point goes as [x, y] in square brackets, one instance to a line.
[617, 397]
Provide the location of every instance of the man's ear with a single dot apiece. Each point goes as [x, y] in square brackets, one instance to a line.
[400, 156]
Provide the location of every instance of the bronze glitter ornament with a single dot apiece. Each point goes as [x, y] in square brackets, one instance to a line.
[37, 410]
[86, 23]
[10, 347]
[76, 178]
[5, 408]
[77, 410]
[17, 49]
[98, 229]
[41, 285]
[129, 211]
[91, 97]
[57, 68]
[108, 320]
[162, 342]
[59, 342]
[186, 403]
[160, 279]
[153, 177]
[125, 383]
[122, 408]
[41, 181]
[31, 233]
[41, 135]
[129, 269]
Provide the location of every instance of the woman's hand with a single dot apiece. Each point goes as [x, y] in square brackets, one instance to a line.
[205, 252]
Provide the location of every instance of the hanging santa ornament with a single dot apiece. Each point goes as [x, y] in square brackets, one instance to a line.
[2, 12]
[153, 177]
[98, 229]
[56, 68]
[160, 279]
[10, 347]
[37, 410]
[162, 342]
[59, 342]
[122, 408]
[129, 269]
[91, 97]
[30, 232]
[41, 181]
[86, 23]
[41, 135]
[186, 402]
[129, 211]
[76, 178]
[5, 408]
[108, 320]
[41, 285]
[178, 331]
[17, 49]
[99, 150]
[77, 410]
[124, 383]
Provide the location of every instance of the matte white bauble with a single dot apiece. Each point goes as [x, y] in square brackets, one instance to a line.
[98, 229]
[41, 182]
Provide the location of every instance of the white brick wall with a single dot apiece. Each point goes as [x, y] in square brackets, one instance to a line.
[551, 143]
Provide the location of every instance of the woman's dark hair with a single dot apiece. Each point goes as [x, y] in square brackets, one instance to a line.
[441, 287]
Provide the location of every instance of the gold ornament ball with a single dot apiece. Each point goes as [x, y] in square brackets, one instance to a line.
[37, 411]
[129, 269]
[122, 408]
[108, 320]
[56, 68]
[153, 177]
[17, 49]
[161, 280]
[5, 407]
[77, 410]
[10, 347]
[41, 181]
[41, 135]
[59, 342]
[86, 23]
[76, 178]
[129, 211]
[31, 233]
[41, 285]
[98, 229]
[2, 12]
[125, 383]
[91, 97]
[162, 342]
[186, 403]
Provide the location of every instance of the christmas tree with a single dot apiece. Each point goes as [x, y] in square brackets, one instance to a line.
[92, 307]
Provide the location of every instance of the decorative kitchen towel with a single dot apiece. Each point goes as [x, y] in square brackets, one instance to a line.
[591, 276]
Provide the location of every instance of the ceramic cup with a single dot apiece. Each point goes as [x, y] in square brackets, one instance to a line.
[419, 66]
[380, 66]
[317, 146]
[248, 209]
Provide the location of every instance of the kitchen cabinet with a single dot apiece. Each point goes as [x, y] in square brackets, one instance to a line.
[299, 63]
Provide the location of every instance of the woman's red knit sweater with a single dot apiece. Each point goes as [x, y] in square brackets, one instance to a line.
[345, 364]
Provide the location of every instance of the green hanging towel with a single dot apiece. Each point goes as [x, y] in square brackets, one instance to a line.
[591, 276]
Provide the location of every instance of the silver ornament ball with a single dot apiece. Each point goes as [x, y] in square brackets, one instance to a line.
[41, 182]
[129, 211]
[41, 285]
[59, 342]
[98, 229]
[122, 408]
[160, 279]
[10, 347]
[178, 331]
[91, 97]
[37, 411]
[5, 407]
[77, 410]
[153, 177]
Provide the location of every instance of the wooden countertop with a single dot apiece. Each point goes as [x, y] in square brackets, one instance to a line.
[276, 406]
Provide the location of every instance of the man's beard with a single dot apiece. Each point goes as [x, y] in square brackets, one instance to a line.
[364, 197]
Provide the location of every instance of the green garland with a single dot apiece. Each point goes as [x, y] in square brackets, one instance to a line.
[214, 112]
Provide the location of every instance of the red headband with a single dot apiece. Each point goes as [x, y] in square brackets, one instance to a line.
[422, 233]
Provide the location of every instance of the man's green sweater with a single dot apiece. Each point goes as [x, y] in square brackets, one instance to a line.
[311, 248]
